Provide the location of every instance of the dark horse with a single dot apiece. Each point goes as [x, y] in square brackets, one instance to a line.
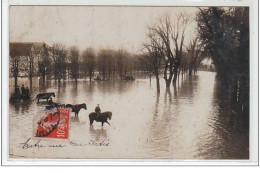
[54, 105]
[46, 96]
[76, 108]
[102, 118]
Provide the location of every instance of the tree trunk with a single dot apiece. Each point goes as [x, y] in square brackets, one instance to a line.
[190, 70]
[31, 84]
[43, 76]
[15, 81]
[179, 75]
[175, 76]
[90, 75]
[169, 79]
[158, 84]
[59, 78]
[168, 83]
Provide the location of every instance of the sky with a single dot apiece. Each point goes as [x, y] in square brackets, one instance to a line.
[89, 26]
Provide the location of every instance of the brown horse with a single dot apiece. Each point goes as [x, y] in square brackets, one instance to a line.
[102, 117]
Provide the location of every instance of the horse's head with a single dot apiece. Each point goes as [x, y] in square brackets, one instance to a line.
[53, 94]
[84, 106]
[109, 115]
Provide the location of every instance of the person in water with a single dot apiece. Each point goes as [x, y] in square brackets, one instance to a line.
[50, 102]
[98, 110]
[27, 91]
[23, 90]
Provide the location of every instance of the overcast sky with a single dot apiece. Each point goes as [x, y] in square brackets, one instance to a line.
[84, 26]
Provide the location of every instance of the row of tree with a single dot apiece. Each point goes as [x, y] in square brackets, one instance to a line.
[106, 62]
[165, 49]
[224, 33]
[59, 62]
[221, 34]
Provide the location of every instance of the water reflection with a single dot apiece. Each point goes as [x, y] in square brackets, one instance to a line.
[98, 134]
[75, 119]
[25, 106]
[230, 134]
[188, 121]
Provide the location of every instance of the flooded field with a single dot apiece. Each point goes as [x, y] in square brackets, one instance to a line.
[188, 121]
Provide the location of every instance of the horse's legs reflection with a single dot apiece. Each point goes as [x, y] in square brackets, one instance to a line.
[98, 133]
[75, 119]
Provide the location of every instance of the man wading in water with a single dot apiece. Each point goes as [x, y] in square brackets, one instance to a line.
[98, 110]
[23, 90]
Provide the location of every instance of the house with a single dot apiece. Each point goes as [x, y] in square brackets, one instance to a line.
[28, 54]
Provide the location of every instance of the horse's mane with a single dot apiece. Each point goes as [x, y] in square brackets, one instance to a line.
[81, 104]
[69, 105]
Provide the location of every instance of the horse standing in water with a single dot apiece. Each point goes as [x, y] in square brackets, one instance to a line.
[101, 118]
[76, 108]
[46, 96]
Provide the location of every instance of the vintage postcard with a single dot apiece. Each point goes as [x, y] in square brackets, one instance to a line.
[136, 83]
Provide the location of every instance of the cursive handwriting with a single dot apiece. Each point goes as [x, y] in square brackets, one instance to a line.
[56, 146]
[30, 143]
[27, 145]
[91, 143]
[102, 143]
[75, 144]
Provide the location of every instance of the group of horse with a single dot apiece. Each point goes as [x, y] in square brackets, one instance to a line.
[93, 116]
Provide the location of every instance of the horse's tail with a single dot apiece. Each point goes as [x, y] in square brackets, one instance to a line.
[91, 121]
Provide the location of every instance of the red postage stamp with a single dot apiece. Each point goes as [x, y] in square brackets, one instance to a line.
[54, 124]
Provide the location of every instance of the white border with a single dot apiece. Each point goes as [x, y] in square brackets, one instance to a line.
[253, 4]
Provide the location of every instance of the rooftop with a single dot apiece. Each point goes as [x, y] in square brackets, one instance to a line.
[24, 48]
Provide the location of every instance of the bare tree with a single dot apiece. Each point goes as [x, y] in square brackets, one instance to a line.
[74, 62]
[31, 66]
[110, 61]
[178, 35]
[145, 65]
[153, 57]
[44, 62]
[102, 61]
[14, 66]
[172, 38]
[88, 61]
[184, 64]
[59, 55]
[121, 59]
[194, 50]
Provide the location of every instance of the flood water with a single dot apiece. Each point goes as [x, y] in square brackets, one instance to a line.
[188, 121]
